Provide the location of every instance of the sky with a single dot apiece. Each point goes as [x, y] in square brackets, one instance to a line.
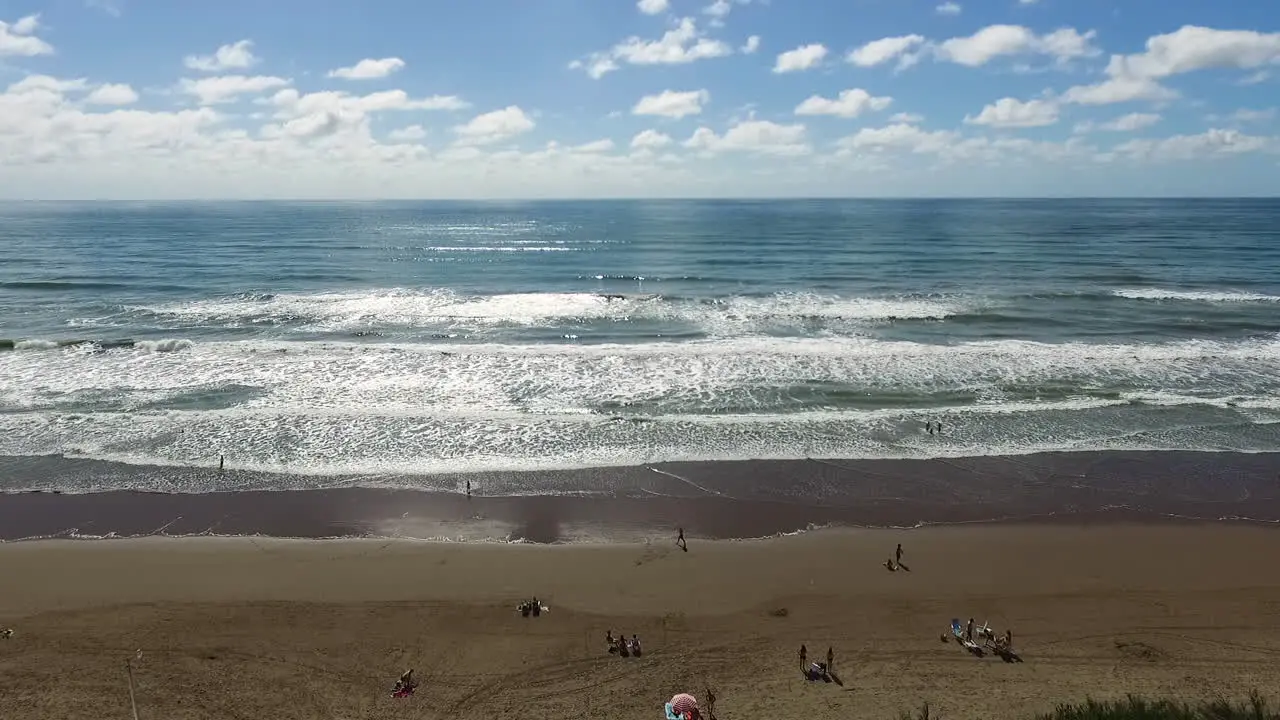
[338, 99]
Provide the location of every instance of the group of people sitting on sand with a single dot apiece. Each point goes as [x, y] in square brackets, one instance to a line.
[622, 646]
[530, 607]
[1001, 645]
[988, 636]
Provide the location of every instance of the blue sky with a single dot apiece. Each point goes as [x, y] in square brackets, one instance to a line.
[618, 98]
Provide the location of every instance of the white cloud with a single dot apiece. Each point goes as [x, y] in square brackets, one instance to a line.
[755, 136]
[1188, 49]
[409, 133]
[672, 104]
[1245, 115]
[804, 57]
[1013, 113]
[1124, 123]
[720, 9]
[1211, 143]
[112, 94]
[369, 69]
[328, 113]
[1131, 122]
[650, 140]
[1192, 48]
[1118, 90]
[682, 44]
[652, 7]
[595, 146]
[878, 52]
[107, 6]
[596, 67]
[235, 56]
[1256, 78]
[39, 123]
[47, 83]
[229, 88]
[18, 40]
[900, 137]
[948, 8]
[996, 41]
[495, 126]
[951, 148]
[849, 104]
[26, 25]
[906, 118]
[752, 45]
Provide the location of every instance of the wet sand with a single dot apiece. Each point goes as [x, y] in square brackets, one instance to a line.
[711, 500]
[256, 628]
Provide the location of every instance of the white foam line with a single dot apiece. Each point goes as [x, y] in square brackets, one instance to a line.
[1210, 296]
[166, 526]
[684, 480]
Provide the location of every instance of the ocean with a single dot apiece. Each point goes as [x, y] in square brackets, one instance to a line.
[403, 345]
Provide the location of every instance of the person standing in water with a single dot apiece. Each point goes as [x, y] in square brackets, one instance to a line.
[468, 489]
[680, 541]
[222, 459]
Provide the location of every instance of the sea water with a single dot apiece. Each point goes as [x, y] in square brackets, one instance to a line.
[395, 340]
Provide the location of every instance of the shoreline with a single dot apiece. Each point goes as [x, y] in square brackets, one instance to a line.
[711, 500]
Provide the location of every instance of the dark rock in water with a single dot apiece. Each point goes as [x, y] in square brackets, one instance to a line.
[614, 297]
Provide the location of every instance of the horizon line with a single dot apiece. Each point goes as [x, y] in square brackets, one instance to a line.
[720, 198]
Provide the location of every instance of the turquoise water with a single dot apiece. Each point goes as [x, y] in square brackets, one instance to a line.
[389, 339]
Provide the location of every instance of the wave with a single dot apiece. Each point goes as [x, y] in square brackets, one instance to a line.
[1205, 296]
[390, 451]
[61, 285]
[165, 345]
[399, 307]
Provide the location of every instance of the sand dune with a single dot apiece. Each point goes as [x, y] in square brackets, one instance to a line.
[240, 628]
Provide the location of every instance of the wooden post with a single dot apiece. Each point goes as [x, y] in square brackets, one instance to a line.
[133, 703]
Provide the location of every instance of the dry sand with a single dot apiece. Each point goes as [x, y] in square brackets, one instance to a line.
[267, 629]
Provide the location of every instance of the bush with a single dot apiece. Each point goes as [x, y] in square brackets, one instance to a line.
[1136, 708]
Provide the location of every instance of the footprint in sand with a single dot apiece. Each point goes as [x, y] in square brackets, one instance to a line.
[651, 555]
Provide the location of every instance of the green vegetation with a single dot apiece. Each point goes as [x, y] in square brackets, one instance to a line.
[1136, 708]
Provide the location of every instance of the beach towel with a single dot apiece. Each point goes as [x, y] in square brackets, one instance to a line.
[671, 713]
[402, 693]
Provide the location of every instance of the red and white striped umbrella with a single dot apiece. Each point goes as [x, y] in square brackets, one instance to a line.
[684, 703]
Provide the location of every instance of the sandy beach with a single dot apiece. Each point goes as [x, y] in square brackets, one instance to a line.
[257, 628]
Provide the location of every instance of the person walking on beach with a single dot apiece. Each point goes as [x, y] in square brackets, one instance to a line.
[804, 656]
[680, 541]
[897, 554]
[831, 658]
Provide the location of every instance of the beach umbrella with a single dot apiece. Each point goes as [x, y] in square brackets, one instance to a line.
[684, 703]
